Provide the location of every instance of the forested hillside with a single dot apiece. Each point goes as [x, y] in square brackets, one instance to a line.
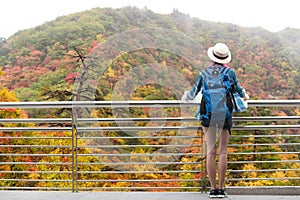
[131, 53]
[40, 62]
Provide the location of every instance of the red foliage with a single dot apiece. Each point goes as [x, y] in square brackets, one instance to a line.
[18, 77]
[200, 175]
[71, 77]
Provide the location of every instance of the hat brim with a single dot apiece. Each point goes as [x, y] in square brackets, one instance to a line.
[215, 59]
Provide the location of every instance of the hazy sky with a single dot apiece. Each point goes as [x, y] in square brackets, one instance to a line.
[273, 15]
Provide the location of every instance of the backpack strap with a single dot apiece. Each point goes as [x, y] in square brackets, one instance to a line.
[204, 74]
[224, 70]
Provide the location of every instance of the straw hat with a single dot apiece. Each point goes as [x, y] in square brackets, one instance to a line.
[219, 53]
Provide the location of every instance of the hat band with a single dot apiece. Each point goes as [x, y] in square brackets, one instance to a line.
[219, 57]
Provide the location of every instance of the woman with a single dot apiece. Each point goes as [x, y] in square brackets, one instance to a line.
[220, 56]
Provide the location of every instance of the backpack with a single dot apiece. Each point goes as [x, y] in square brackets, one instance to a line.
[216, 103]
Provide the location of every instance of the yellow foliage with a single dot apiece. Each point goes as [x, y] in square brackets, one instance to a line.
[7, 96]
[240, 71]
[297, 111]
[1, 71]
[109, 73]
[249, 174]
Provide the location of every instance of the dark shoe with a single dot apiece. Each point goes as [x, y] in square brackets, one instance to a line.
[221, 194]
[213, 194]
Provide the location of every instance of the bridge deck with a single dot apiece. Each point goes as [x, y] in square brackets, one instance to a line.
[28, 195]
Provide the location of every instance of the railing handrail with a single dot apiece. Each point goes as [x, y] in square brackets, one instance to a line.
[132, 103]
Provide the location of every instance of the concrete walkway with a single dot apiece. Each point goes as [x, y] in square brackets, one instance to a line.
[29, 195]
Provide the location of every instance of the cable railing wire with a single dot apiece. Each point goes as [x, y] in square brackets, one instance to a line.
[77, 172]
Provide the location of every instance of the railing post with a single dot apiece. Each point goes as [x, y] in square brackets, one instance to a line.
[74, 152]
[203, 170]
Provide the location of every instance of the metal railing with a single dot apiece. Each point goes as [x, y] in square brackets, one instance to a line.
[141, 153]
